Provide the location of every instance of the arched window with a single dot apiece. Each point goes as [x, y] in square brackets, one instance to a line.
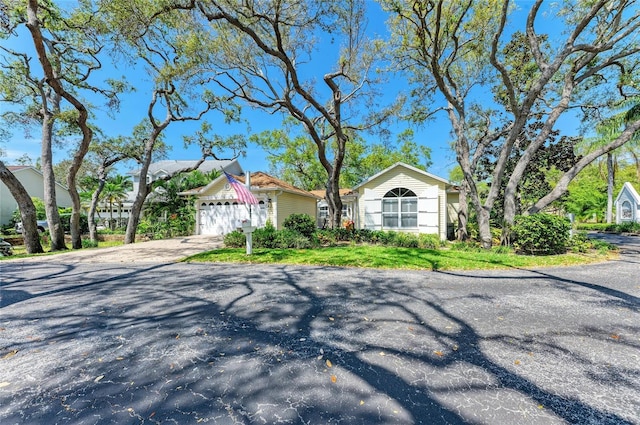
[400, 209]
[204, 205]
[626, 211]
[211, 204]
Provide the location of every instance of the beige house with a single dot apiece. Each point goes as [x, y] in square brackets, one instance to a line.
[219, 212]
[406, 199]
[33, 182]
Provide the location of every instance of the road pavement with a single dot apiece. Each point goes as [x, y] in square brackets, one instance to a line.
[160, 342]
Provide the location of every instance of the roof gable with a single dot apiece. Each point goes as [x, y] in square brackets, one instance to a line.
[401, 165]
[260, 182]
[628, 188]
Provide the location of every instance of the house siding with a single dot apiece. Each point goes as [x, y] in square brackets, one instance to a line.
[432, 199]
[289, 203]
[33, 182]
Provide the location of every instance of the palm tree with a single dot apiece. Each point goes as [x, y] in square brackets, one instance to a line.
[115, 192]
[608, 130]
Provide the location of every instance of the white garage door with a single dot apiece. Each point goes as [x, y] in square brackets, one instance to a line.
[219, 218]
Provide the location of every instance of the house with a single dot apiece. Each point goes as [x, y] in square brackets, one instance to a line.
[349, 206]
[219, 212]
[407, 199]
[33, 181]
[157, 171]
[627, 205]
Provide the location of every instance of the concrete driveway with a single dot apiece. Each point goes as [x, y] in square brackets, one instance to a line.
[156, 251]
[179, 343]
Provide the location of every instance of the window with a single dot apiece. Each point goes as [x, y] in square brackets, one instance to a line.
[626, 211]
[400, 209]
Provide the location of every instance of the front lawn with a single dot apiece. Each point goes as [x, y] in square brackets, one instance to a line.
[375, 256]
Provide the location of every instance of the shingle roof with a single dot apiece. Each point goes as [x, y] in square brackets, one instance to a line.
[171, 166]
[264, 181]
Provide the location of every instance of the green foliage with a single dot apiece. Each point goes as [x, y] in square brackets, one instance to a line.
[40, 211]
[429, 241]
[235, 239]
[65, 219]
[288, 238]
[301, 223]
[541, 234]
[265, 237]
[88, 243]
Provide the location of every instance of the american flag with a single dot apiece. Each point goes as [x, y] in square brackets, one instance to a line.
[241, 190]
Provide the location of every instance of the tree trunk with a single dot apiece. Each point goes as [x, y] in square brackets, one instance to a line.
[95, 197]
[463, 212]
[565, 179]
[609, 188]
[56, 231]
[27, 210]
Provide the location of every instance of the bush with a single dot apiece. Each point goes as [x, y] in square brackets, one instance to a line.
[88, 243]
[301, 223]
[541, 234]
[288, 238]
[265, 237]
[630, 227]
[234, 239]
[429, 241]
[406, 240]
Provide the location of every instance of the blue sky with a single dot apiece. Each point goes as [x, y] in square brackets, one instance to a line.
[134, 106]
[435, 134]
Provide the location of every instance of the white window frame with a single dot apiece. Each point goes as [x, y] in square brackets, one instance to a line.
[399, 206]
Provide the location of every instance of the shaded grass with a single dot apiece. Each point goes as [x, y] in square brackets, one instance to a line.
[19, 251]
[373, 256]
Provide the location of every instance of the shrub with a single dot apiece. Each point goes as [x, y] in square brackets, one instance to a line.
[326, 237]
[234, 239]
[630, 227]
[265, 237]
[301, 223]
[288, 238]
[429, 241]
[541, 234]
[406, 240]
[88, 243]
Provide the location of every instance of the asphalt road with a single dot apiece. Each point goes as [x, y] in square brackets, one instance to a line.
[84, 342]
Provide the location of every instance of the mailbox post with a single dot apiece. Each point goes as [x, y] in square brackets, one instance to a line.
[248, 229]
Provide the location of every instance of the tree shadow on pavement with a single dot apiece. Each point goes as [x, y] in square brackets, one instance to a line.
[191, 343]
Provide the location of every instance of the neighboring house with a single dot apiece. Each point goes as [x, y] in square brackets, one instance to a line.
[219, 212]
[405, 198]
[627, 205]
[349, 206]
[158, 170]
[33, 182]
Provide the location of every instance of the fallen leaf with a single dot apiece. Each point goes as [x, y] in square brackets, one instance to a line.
[361, 402]
[99, 378]
[516, 362]
[382, 353]
[10, 354]
[178, 336]
[334, 378]
[152, 414]
[454, 348]
[4, 384]
[331, 318]
[411, 329]
[119, 358]
[328, 362]
[615, 336]
[438, 353]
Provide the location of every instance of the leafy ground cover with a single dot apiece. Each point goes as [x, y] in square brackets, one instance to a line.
[374, 256]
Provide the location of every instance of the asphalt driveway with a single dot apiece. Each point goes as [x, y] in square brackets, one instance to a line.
[176, 343]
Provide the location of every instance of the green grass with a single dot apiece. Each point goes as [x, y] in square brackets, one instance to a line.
[19, 251]
[372, 256]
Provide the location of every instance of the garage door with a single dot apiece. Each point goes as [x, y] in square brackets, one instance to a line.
[219, 218]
